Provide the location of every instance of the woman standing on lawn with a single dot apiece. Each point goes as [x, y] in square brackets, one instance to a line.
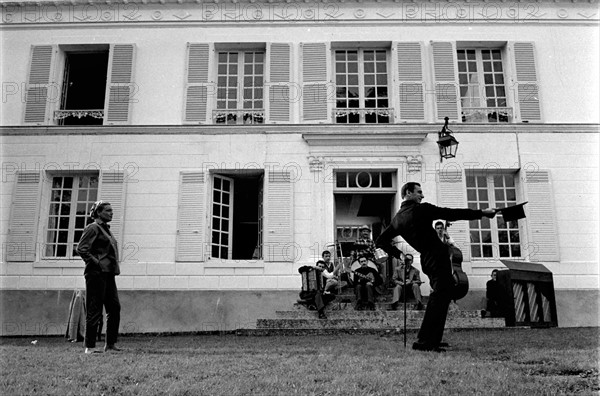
[98, 248]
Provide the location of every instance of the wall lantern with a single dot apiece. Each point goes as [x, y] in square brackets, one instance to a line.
[447, 143]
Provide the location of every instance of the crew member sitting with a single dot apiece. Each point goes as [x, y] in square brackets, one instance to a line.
[366, 279]
[407, 275]
[493, 296]
[314, 296]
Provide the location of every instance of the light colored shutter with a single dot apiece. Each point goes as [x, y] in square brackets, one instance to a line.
[527, 93]
[121, 90]
[541, 217]
[278, 232]
[197, 85]
[315, 106]
[444, 70]
[279, 101]
[410, 81]
[190, 217]
[452, 193]
[24, 217]
[36, 102]
[112, 189]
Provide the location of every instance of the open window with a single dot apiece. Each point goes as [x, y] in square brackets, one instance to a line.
[83, 87]
[237, 215]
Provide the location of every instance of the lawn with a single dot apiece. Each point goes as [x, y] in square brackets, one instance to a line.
[496, 362]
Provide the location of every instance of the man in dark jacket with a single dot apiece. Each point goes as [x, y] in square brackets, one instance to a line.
[98, 249]
[413, 223]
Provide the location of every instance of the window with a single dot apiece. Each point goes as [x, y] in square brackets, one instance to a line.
[493, 237]
[236, 231]
[482, 87]
[240, 77]
[84, 87]
[70, 199]
[361, 77]
[358, 180]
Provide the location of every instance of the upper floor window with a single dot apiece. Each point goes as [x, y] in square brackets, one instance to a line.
[361, 77]
[84, 87]
[71, 196]
[493, 237]
[482, 87]
[240, 85]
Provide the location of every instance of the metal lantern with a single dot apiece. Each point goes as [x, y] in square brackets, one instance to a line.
[447, 143]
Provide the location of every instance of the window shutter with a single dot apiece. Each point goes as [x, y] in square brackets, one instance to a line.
[279, 84]
[314, 78]
[444, 67]
[410, 81]
[526, 81]
[196, 90]
[112, 189]
[23, 224]
[278, 233]
[541, 218]
[452, 193]
[40, 68]
[190, 217]
[121, 90]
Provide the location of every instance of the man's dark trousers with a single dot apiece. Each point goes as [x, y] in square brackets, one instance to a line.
[438, 269]
[101, 289]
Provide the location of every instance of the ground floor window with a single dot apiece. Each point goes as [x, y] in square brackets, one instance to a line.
[494, 238]
[71, 197]
[237, 216]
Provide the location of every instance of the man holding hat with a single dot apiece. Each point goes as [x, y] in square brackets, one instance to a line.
[413, 223]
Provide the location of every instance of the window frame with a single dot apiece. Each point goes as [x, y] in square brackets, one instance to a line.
[47, 201]
[509, 105]
[494, 228]
[241, 114]
[362, 110]
[64, 50]
[234, 175]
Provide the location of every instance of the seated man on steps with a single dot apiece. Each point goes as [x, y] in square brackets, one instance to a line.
[366, 279]
[317, 298]
[406, 276]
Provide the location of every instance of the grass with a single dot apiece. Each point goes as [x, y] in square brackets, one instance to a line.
[483, 362]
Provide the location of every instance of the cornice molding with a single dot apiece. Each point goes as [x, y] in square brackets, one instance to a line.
[157, 12]
[399, 134]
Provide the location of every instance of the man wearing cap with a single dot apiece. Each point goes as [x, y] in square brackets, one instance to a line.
[413, 222]
[364, 245]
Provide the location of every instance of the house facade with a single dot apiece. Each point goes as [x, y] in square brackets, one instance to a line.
[238, 140]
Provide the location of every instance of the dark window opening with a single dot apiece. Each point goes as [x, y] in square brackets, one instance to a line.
[84, 87]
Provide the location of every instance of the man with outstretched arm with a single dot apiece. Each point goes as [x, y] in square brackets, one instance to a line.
[413, 223]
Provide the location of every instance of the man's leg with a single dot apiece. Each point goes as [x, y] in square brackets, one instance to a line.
[113, 310]
[370, 296]
[94, 297]
[432, 328]
[417, 293]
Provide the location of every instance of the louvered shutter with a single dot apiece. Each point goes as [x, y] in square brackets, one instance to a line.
[24, 215]
[279, 92]
[278, 232]
[191, 213]
[452, 193]
[315, 106]
[410, 81]
[40, 68]
[121, 89]
[197, 85]
[541, 217]
[444, 68]
[527, 92]
[112, 189]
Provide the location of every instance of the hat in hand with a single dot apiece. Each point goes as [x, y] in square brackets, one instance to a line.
[512, 213]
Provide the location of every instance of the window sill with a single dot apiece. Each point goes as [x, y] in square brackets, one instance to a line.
[219, 263]
[59, 263]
